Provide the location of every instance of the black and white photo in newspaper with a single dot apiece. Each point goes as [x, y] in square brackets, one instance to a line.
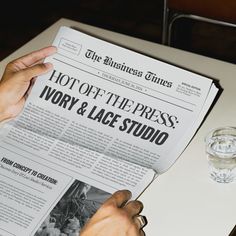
[73, 210]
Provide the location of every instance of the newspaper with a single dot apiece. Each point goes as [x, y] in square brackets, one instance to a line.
[106, 118]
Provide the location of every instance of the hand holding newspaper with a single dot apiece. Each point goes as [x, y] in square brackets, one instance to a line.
[106, 118]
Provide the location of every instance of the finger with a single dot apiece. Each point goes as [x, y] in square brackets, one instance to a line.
[142, 233]
[32, 58]
[119, 198]
[27, 74]
[133, 208]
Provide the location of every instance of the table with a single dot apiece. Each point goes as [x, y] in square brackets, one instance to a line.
[184, 200]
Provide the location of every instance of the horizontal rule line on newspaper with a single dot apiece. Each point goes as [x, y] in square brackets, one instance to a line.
[177, 105]
[123, 79]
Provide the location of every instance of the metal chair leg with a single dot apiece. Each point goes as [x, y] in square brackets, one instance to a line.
[165, 23]
[194, 17]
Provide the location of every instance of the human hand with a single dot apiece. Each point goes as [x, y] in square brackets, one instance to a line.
[17, 78]
[116, 217]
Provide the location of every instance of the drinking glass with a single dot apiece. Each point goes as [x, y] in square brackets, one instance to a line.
[221, 154]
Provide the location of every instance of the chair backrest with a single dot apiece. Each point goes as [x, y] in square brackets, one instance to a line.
[223, 10]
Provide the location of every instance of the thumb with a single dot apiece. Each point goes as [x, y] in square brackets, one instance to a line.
[39, 69]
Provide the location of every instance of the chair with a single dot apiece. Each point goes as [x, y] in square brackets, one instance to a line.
[212, 11]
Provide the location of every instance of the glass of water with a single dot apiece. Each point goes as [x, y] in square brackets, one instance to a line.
[221, 154]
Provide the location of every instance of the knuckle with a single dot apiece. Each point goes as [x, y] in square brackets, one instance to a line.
[10, 66]
[123, 214]
[109, 207]
[124, 217]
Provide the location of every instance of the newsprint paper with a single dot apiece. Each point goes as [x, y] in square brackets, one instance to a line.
[105, 118]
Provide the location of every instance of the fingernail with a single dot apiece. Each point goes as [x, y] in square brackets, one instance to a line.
[128, 192]
[48, 65]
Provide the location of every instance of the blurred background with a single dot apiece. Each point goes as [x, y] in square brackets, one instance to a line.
[21, 21]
